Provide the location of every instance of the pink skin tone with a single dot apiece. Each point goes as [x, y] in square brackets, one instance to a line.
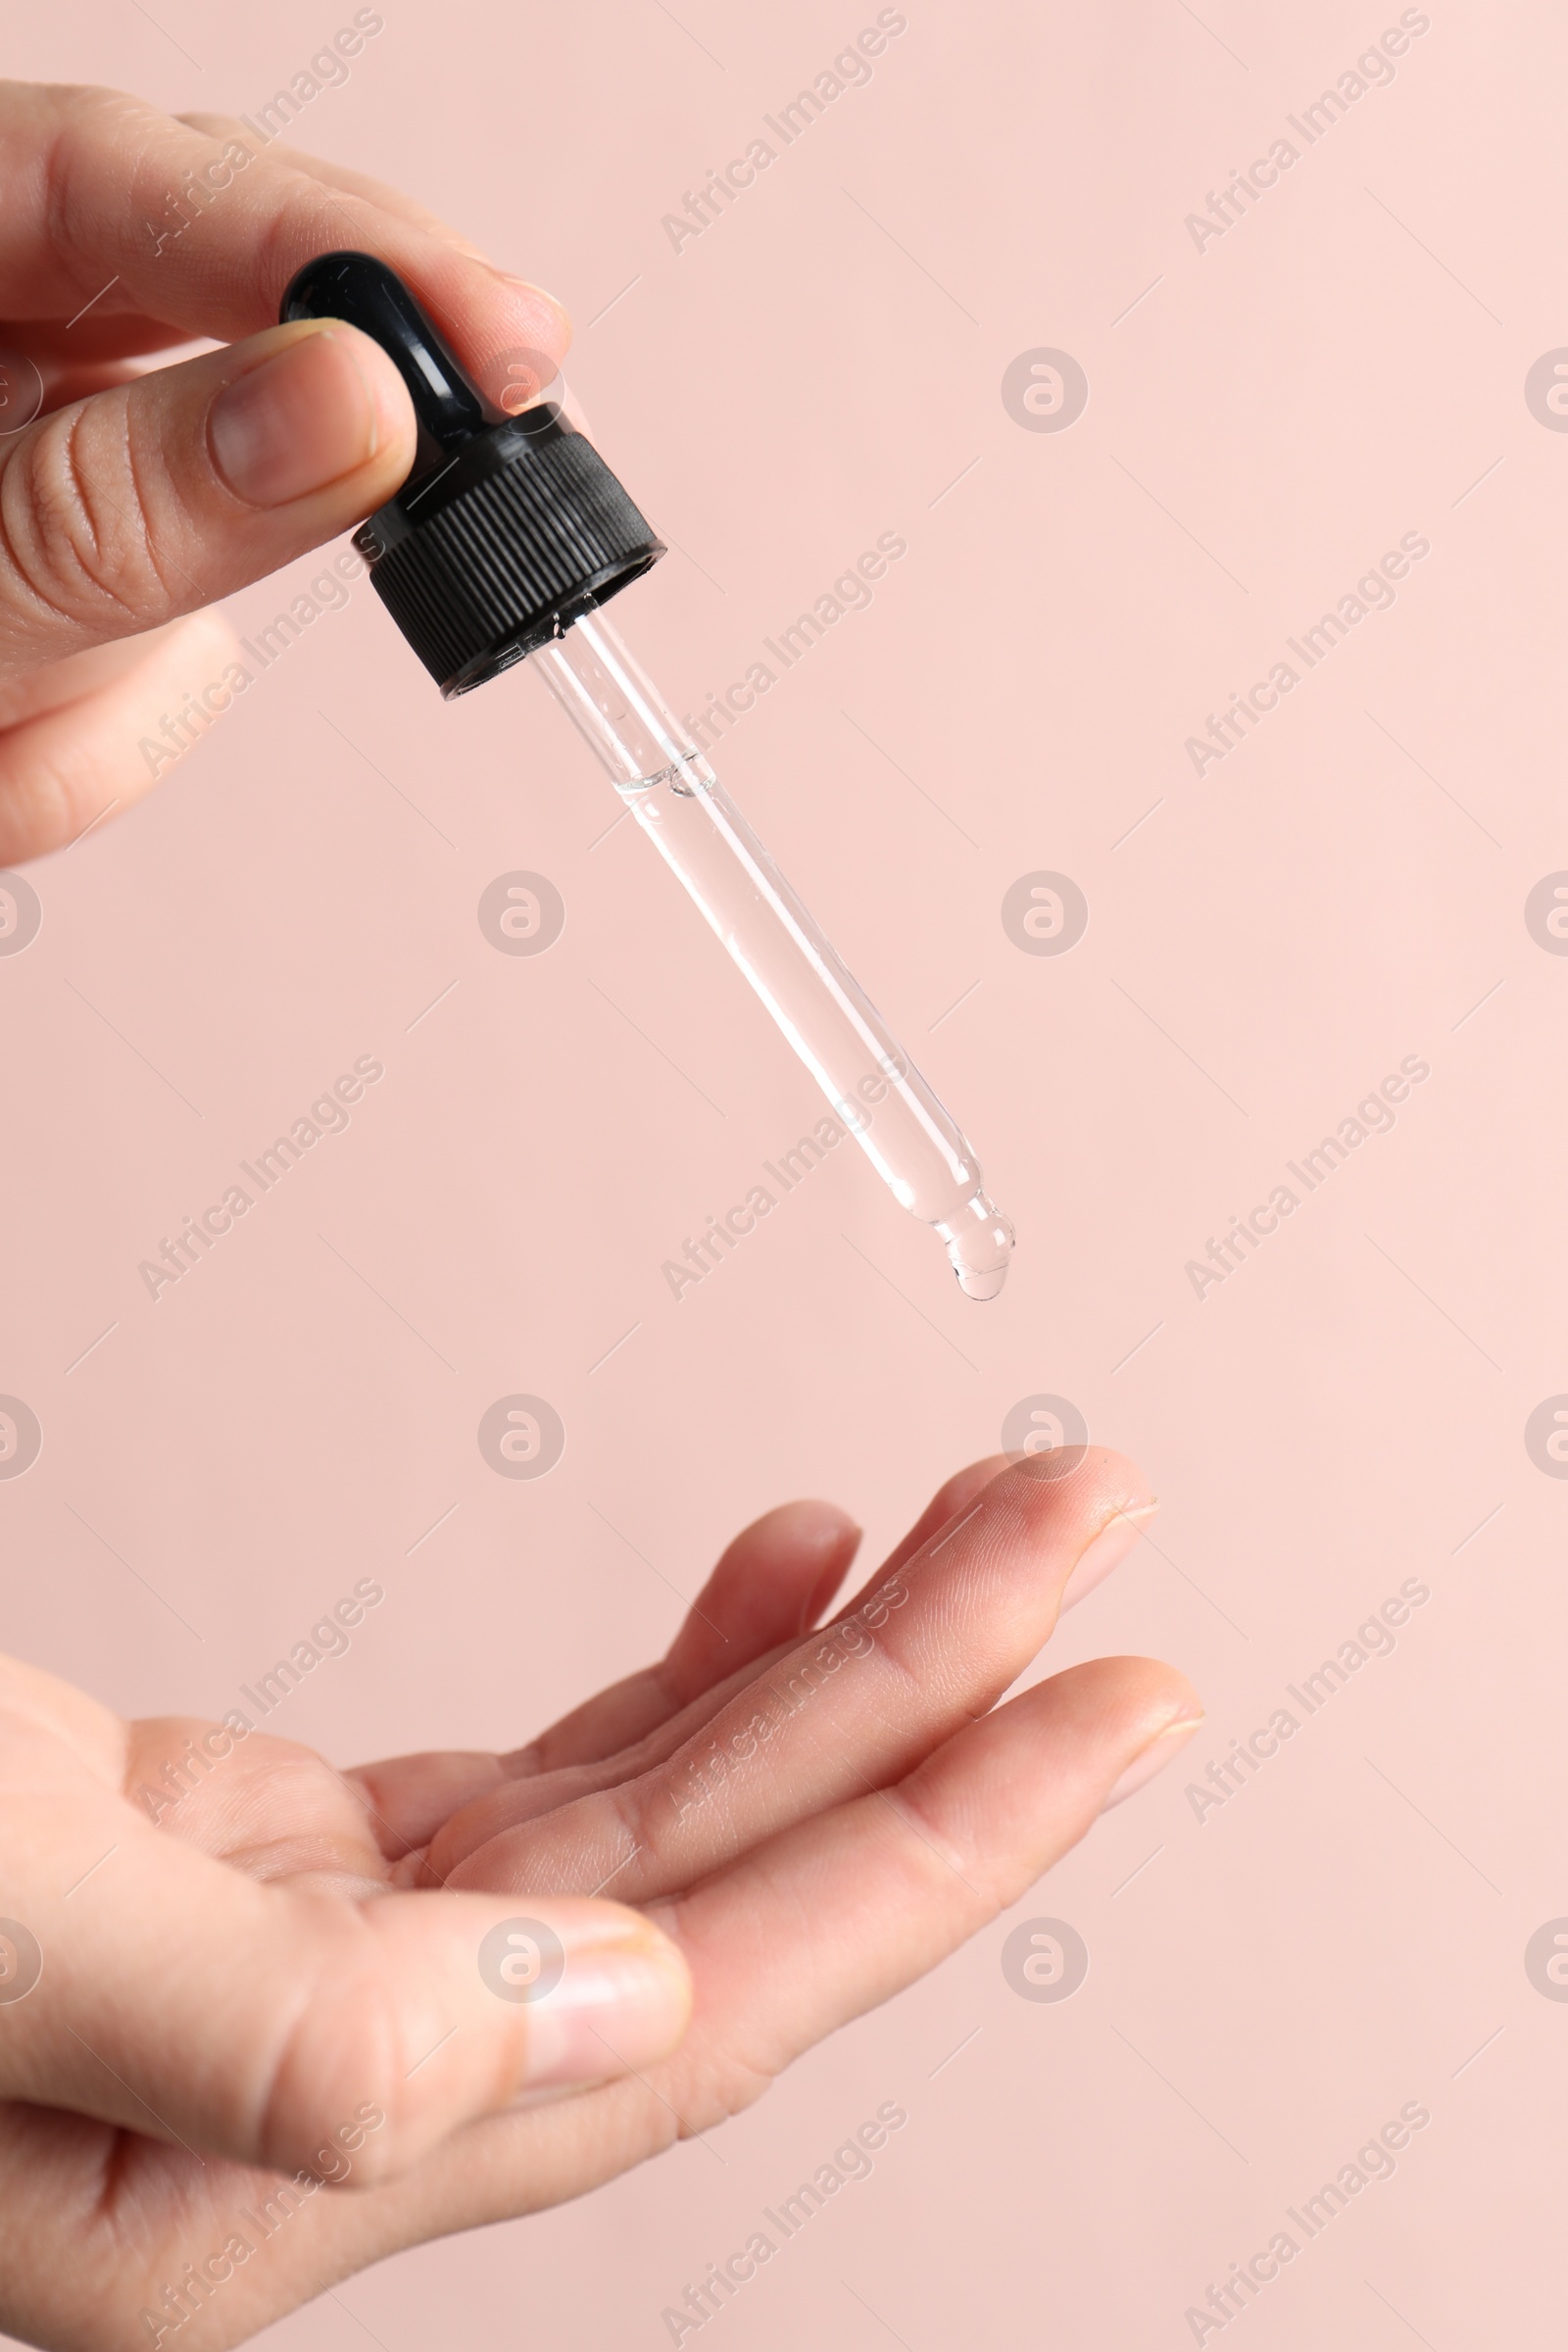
[141, 494]
[278, 1976]
[898, 1803]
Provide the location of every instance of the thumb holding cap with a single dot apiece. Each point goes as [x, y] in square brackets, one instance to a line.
[130, 510]
[158, 496]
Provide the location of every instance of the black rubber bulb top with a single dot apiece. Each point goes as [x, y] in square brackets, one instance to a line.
[507, 528]
[357, 288]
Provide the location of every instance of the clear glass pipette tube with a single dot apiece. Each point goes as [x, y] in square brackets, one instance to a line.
[873, 1088]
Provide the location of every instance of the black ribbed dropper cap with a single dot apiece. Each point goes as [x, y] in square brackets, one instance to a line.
[507, 528]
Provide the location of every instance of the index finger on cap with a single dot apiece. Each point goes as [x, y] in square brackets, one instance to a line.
[106, 202]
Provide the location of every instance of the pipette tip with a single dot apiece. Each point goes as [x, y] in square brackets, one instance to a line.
[980, 1247]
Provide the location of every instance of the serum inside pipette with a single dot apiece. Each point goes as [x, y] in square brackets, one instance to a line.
[874, 1088]
[505, 541]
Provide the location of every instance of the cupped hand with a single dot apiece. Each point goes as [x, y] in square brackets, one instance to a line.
[134, 498]
[261, 2023]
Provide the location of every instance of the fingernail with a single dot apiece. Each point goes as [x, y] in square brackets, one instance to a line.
[841, 1544]
[1167, 1743]
[301, 418]
[617, 2006]
[1108, 1550]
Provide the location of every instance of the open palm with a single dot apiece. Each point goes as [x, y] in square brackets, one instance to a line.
[305, 2018]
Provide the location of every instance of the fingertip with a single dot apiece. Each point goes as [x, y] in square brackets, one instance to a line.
[836, 1538]
[310, 410]
[622, 2001]
[809, 1523]
[965, 1485]
[806, 1538]
[791, 1538]
[1162, 1712]
[1106, 1550]
[512, 336]
[440, 2009]
[770, 1583]
[393, 431]
[1089, 1484]
[1157, 1685]
[553, 313]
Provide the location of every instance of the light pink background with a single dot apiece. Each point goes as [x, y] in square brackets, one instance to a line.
[1341, 367]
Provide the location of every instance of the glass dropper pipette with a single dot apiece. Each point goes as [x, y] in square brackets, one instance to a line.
[506, 539]
[871, 1085]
